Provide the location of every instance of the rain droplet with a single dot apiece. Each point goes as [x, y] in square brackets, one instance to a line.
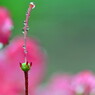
[27, 29]
[32, 5]
[24, 47]
[26, 13]
[23, 32]
[25, 23]
[1, 45]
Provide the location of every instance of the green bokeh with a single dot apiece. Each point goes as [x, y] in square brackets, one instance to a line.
[65, 28]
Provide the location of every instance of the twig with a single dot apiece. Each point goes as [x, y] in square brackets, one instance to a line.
[26, 66]
[26, 28]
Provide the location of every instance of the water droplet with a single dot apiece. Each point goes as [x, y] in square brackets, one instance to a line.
[32, 5]
[1, 45]
[24, 23]
[26, 14]
[27, 29]
[24, 47]
[23, 32]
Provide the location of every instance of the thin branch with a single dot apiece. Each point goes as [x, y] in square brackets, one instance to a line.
[26, 28]
[26, 82]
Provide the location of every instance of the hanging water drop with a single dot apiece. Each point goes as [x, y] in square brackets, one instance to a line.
[24, 24]
[24, 47]
[23, 32]
[24, 21]
[1, 45]
[32, 5]
[27, 29]
[26, 14]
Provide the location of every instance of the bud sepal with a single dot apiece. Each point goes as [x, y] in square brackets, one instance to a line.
[26, 66]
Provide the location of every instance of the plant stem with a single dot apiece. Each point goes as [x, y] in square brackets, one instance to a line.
[26, 82]
[26, 28]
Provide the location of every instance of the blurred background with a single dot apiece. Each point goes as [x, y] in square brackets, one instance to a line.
[65, 28]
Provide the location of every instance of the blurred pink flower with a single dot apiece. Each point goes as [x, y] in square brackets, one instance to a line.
[11, 88]
[5, 25]
[84, 83]
[7, 86]
[13, 75]
[58, 85]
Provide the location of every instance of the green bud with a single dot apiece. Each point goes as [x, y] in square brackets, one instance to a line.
[25, 66]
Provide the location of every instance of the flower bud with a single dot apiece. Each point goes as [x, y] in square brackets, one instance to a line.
[25, 66]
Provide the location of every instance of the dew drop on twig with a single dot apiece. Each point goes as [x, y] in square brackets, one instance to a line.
[27, 29]
[24, 47]
[1, 45]
[24, 23]
[23, 32]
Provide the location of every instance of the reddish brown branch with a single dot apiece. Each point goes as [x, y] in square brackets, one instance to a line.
[26, 28]
[26, 82]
